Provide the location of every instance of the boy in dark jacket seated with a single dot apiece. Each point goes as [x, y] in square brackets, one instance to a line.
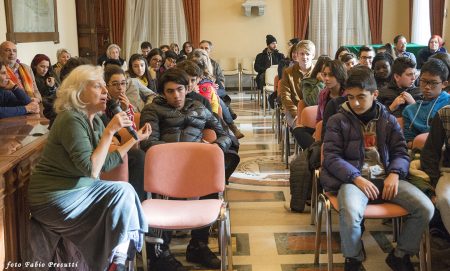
[417, 117]
[366, 159]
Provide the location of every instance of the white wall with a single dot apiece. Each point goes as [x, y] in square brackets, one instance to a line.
[67, 27]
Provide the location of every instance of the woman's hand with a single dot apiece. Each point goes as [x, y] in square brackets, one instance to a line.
[144, 132]
[119, 121]
[50, 81]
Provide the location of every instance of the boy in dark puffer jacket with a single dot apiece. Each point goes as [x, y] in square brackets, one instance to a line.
[364, 146]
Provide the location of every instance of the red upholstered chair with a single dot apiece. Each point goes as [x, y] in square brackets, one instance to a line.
[187, 170]
[419, 141]
[308, 116]
[119, 173]
[318, 133]
[380, 211]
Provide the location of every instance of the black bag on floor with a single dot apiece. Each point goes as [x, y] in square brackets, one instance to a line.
[300, 181]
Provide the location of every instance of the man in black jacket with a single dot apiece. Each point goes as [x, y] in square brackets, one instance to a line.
[176, 118]
[268, 57]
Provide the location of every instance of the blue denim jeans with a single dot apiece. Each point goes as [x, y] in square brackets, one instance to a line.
[353, 202]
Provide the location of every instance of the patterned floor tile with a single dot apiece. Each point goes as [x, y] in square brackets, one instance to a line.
[237, 195]
[303, 242]
[310, 267]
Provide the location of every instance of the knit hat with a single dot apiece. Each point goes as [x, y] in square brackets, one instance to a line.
[270, 39]
[294, 41]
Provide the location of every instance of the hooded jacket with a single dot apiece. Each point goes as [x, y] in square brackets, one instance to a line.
[343, 148]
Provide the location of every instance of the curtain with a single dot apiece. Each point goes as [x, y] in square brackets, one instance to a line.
[117, 15]
[375, 8]
[437, 16]
[301, 17]
[157, 21]
[420, 26]
[337, 23]
[192, 14]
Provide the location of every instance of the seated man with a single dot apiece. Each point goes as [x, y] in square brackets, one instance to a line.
[400, 48]
[401, 91]
[430, 161]
[268, 57]
[290, 90]
[366, 55]
[366, 159]
[175, 118]
[417, 117]
[20, 73]
[146, 47]
[13, 100]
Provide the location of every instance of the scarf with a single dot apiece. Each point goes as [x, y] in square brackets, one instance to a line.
[27, 81]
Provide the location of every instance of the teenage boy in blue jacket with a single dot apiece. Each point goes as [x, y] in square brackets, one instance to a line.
[366, 159]
[417, 117]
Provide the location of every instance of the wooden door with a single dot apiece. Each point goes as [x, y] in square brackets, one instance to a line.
[93, 28]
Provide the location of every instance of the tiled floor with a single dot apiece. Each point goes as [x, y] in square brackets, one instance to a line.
[266, 236]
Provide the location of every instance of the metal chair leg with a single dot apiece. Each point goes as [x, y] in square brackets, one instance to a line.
[329, 231]
[318, 230]
[314, 189]
[229, 241]
[287, 146]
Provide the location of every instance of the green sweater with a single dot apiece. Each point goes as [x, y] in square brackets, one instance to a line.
[66, 160]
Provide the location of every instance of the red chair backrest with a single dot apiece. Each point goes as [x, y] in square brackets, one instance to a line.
[184, 169]
[318, 133]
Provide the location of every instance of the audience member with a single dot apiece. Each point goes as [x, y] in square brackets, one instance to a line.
[154, 60]
[445, 57]
[113, 52]
[164, 48]
[20, 73]
[382, 69]
[186, 49]
[366, 55]
[62, 55]
[268, 57]
[217, 70]
[171, 121]
[400, 91]
[46, 80]
[293, 41]
[371, 168]
[340, 52]
[435, 45]
[289, 61]
[146, 47]
[400, 48]
[175, 48]
[138, 68]
[417, 116]
[349, 59]
[170, 61]
[387, 48]
[13, 100]
[290, 91]
[116, 83]
[103, 219]
[430, 161]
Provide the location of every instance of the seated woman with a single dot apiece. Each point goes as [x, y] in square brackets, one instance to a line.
[382, 69]
[113, 52]
[62, 56]
[434, 46]
[13, 100]
[186, 49]
[46, 80]
[154, 60]
[101, 218]
[349, 59]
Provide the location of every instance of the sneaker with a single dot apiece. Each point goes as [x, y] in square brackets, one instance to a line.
[166, 262]
[200, 253]
[352, 264]
[399, 264]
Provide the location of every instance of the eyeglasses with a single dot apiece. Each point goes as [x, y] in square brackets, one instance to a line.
[156, 60]
[119, 84]
[425, 83]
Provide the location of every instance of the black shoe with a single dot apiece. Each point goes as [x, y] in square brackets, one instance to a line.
[399, 264]
[166, 262]
[200, 253]
[352, 264]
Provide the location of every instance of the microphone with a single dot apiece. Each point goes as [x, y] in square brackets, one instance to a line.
[114, 107]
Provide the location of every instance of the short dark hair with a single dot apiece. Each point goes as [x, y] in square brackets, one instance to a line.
[71, 64]
[346, 57]
[111, 70]
[361, 77]
[401, 64]
[171, 54]
[435, 67]
[365, 48]
[111, 61]
[146, 44]
[382, 57]
[175, 75]
[319, 65]
[338, 70]
[340, 50]
[154, 52]
[398, 37]
[164, 46]
[444, 57]
[190, 67]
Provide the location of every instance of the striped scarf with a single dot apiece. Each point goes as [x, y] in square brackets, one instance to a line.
[27, 81]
